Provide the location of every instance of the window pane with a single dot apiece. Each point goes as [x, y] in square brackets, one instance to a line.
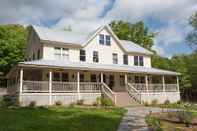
[81, 76]
[93, 78]
[115, 58]
[125, 59]
[56, 76]
[136, 60]
[57, 53]
[95, 56]
[82, 55]
[65, 77]
[108, 40]
[101, 39]
[122, 80]
[65, 54]
[141, 60]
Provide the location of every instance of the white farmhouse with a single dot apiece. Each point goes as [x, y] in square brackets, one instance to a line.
[68, 66]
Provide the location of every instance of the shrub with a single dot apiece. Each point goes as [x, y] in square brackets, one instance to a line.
[72, 104]
[146, 103]
[32, 104]
[95, 104]
[58, 103]
[166, 102]
[98, 100]
[106, 102]
[80, 102]
[185, 117]
[9, 100]
[178, 102]
[154, 102]
[154, 123]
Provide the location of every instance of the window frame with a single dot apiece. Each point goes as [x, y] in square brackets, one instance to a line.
[82, 57]
[125, 59]
[138, 60]
[101, 39]
[115, 58]
[108, 40]
[95, 56]
[65, 54]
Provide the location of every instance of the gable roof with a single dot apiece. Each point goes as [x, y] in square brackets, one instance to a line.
[82, 39]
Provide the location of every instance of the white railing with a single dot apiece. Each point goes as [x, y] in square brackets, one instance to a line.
[64, 86]
[171, 88]
[35, 86]
[90, 86]
[133, 92]
[108, 92]
[155, 87]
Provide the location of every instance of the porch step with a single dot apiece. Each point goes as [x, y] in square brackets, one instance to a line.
[123, 100]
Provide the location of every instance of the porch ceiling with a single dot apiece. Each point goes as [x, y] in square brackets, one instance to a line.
[91, 66]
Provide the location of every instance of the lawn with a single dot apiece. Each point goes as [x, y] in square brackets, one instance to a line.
[60, 119]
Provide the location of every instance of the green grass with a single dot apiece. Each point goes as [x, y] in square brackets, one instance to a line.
[60, 119]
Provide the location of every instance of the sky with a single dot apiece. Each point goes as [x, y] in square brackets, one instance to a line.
[168, 18]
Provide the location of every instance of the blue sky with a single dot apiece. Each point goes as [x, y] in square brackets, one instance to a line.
[168, 18]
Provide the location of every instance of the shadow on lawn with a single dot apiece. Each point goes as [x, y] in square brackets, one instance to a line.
[59, 119]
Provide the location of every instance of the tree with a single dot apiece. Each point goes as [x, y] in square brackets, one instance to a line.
[192, 36]
[12, 46]
[137, 33]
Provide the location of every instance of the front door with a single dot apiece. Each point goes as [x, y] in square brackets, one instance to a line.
[111, 81]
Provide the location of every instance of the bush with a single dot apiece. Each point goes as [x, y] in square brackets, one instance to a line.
[154, 123]
[98, 100]
[154, 102]
[106, 102]
[80, 102]
[166, 102]
[72, 104]
[58, 103]
[185, 117]
[9, 100]
[146, 103]
[32, 104]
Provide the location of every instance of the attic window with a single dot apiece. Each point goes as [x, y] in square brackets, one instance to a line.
[108, 40]
[82, 55]
[138, 61]
[101, 39]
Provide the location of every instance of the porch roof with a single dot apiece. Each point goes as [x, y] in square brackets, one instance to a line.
[92, 66]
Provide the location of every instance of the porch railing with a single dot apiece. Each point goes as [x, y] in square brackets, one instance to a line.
[108, 92]
[133, 92]
[58, 87]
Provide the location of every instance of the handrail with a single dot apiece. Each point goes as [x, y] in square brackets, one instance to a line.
[108, 92]
[134, 92]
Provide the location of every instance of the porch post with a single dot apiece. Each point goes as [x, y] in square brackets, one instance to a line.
[177, 81]
[163, 83]
[101, 77]
[50, 87]
[146, 80]
[78, 85]
[21, 81]
[126, 79]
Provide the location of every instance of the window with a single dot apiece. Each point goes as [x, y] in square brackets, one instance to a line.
[81, 77]
[122, 80]
[125, 59]
[82, 55]
[101, 39]
[115, 58]
[65, 54]
[33, 56]
[93, 78]
[65, 77]
[138, 61]
[139, 79]
[56, 76]
[108, 40]
[95, 56]
[57, 53]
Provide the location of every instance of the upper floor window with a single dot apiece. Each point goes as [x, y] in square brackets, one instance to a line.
[115, 58]
[61, 53]
[125, 59]
[95, 56]
[138, 61]
[38, 55]
[101, 39]
[82, 55]
[108, 39]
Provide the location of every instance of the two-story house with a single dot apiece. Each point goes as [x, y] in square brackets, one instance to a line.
[68, 66]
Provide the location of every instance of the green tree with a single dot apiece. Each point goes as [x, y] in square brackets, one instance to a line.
[137, 33]
[12, 46]
[192, 36]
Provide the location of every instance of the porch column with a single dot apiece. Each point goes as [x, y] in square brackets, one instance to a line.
[78, 85]
[50, 87]
[101, 77]
[21, 81]
[146, 80]
[177, 81]
[163, 83]
[126, 79]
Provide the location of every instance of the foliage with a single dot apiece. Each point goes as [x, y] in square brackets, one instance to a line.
[161, 62]
[8, 101]
[153, 122]
[192, 36]
[32, 104]
[166, 102]
[12, 46]
[58, 103]
[137, 32]
[154, 102]
[60, 119]
[106, 102]
[80, 102]
[185, 117]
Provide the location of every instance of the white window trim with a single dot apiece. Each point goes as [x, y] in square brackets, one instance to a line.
[138, 60]
[61, 53]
